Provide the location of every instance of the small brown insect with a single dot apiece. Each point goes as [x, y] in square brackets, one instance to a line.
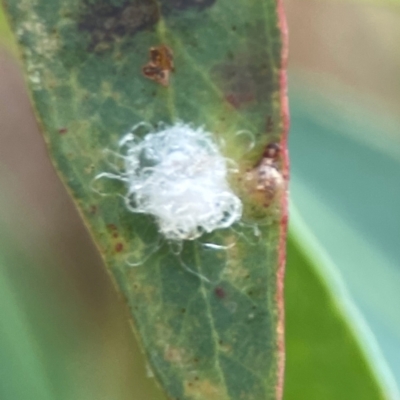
[265, 178]
[272, 152]
[269, 180]
[160, 66]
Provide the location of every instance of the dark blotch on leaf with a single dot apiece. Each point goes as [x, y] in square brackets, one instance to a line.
[181, 5]
[246, 79]
[119, 247]
[93, 209]
[108, 21]
[220, 292]
[113, 230]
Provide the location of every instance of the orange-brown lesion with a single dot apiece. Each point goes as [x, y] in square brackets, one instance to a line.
[160, 66]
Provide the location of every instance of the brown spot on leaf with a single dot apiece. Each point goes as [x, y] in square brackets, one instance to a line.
[113, 230]
[220, 292]
[160, 66]
[93, 209]
[107, 22]
[119, 247]
[272, 152]
[182, 5]
[62, 131]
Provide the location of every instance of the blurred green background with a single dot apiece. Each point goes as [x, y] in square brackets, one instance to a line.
[64, 333]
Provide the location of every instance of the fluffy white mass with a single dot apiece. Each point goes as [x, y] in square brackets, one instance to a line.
[178, 175]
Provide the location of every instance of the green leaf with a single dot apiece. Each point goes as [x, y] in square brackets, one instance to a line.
[6, 37]
[352, 208]
[331, 353]
[24, 375]
[220, 338]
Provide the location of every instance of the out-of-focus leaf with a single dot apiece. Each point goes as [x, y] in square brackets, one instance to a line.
[6, 37]
[331, 353]
[22, 374]
[53, 342]
[84, 60]
[351, 200]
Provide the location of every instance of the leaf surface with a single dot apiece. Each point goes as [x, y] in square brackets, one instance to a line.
[219, 338]
[358, 230]
[331, 352]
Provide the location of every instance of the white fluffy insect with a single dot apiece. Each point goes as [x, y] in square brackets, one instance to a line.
[178, 175]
